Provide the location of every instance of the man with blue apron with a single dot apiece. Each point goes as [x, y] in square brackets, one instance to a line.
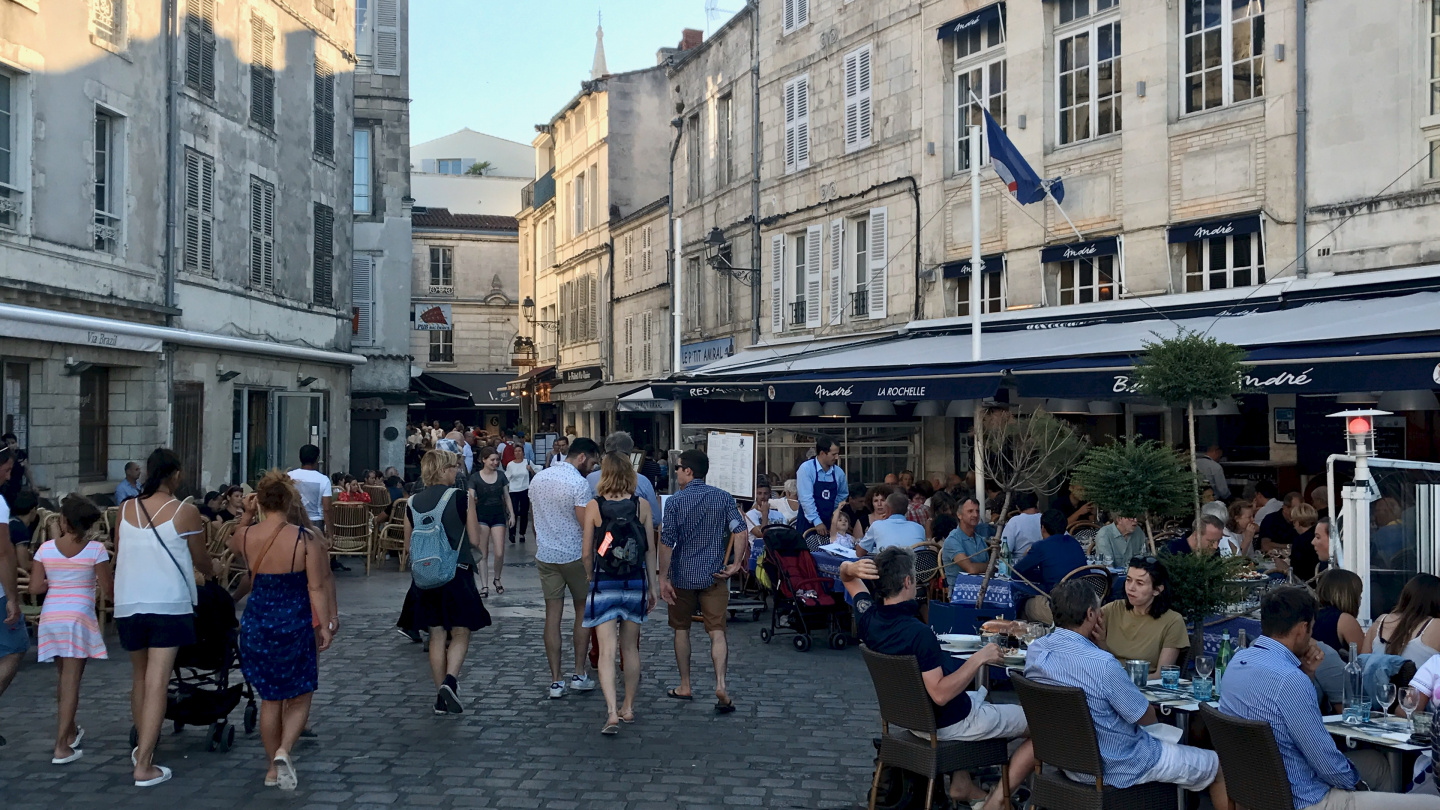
[821, 487]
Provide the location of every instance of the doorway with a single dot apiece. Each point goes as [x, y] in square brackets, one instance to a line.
[186, 425]
[300, 423]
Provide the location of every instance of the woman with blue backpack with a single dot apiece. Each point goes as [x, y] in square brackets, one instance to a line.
[618, 554]
[442, 562]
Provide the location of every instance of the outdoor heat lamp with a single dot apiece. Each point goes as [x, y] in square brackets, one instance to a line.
[1360, 431]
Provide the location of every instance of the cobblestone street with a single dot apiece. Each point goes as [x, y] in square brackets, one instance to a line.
[801, 736]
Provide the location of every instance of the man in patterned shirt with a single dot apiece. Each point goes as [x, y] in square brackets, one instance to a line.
[701, 524]
[1134, 748]
[558, 497]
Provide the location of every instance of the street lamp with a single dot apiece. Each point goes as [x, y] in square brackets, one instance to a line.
[1355, 512]
[527, 308]
[717, 249]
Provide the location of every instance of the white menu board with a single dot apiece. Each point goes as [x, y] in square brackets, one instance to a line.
[732, 462]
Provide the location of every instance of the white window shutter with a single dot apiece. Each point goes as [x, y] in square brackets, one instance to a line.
[814, 280]
[777, 284]
[788, 23]
[789, 140]
[387, 37]
[362, 296]
[837, 269]
[852, 106]
[629, 345]
[879, 255]
[865, 111]
[647, 340]
[802, 123]
[802, 12]
[594, 313]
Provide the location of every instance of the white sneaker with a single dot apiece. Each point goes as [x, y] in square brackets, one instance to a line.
[557, 690]
[581, 684]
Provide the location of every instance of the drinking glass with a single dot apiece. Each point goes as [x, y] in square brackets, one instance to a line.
[1385, 698]
[1204, 666]
[1200, 688]
[1170, 676]
[1409, 702]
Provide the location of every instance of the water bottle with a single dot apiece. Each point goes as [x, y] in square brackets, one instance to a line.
[1222, 658]
[1356, 706]
[1003, 567]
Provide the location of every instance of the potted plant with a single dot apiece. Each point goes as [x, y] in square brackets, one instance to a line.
[1140, 479]
[1200, 585]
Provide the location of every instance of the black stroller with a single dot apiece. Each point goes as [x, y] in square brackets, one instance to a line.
[201, 691]
[803, 601]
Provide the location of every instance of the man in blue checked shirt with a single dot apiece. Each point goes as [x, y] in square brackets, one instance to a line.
[701, 524]
[1134, 748]
[1270, 681]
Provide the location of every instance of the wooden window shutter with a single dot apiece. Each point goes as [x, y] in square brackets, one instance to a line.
[777, 284]
[879, 256]
[837, 269]
[387, 37]
[814, 281]
[362, 295]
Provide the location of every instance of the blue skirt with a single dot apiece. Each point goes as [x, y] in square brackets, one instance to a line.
[277, 638]
[616, 599]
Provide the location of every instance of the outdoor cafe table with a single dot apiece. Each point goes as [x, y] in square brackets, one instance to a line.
[1394, 745]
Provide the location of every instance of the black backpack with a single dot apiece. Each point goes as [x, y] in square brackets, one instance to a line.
[620, 543]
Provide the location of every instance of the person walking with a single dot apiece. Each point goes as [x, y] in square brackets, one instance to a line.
[66, 571]
[492, 516]
[158, 545]
[821, 487]
[618, 555]
[14, 638]
[278, 643]
[698, 522]
[517, 474]
[621, 442]
[451, 611]
[559, 496]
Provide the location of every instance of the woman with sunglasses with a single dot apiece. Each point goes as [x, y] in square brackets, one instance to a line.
[1143, 627]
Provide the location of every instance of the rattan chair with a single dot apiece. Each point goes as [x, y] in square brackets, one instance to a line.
[1097, 577]
[29, 604]
[1254, 771]
[379, 500]
[1063, 733]
[900, 691]
[351, 532]
[391, 536]
[1084, 531]
[47, 527]
[218, 541]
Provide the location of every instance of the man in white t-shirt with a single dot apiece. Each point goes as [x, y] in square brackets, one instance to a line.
[314, 486]
[1022, 531]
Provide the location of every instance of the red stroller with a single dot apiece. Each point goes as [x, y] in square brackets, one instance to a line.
[803, 601]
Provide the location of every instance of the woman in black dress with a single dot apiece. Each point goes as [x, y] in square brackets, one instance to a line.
[492, 516]
[453, 610]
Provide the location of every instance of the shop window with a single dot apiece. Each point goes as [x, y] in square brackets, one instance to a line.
[1085, 281]
[94, 424]
[1223, 262]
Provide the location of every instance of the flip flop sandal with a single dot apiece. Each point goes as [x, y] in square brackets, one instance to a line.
[74, 755]
[271, 782]
[285, 772]
[627, 720]
[79, 735]
[671, 693]
[164, 776]
[725, 708]
[610, 729]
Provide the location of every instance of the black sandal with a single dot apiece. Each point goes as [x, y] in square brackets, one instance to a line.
[499, 589]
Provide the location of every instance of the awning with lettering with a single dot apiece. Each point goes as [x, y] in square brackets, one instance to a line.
[1105, 246]
[968, 22]
[1196, 231]
[994, 263]
[644, 401]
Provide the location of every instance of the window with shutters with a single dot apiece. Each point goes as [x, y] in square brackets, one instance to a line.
[858, 110]
[262, 234]
[324, 255]
[326, 7]
[442, 346]
[449, 166]
[109, 195]
[725, 140]
[795, 14]
[693, 306]
[1088, 70]
[647, 341]
[199, 213]
[857, 261]
[578, 194]
[324, 110]
[777, 283]
[647, 262]
[200, 46]
[361, 197]
[566, 323]
[694, 165]
[387, 36]
[362, 298]
[1224, 52]
[364, 35]
[595, 204]
[442, 277]
[629, 345]
[262, 73]
[799, 260]
[107, 21]
[796, 142]
[992, 292]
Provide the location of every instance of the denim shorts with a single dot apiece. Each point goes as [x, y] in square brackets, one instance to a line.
[12, 639]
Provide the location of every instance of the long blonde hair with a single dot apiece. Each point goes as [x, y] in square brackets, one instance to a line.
[617, 477]
[433, 466]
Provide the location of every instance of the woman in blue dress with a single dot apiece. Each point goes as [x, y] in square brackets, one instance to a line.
[278, 635]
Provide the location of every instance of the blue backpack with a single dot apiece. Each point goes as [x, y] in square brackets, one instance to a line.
[432, 559]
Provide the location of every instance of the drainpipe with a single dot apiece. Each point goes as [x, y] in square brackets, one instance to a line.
[674, 272]
[755, 169]
[172, 146]
[1302, 119]
[915, 193]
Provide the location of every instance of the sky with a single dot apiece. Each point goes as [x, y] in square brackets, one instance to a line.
[502, 66]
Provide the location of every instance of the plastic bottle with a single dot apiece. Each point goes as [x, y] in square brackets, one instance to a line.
[1356, 706]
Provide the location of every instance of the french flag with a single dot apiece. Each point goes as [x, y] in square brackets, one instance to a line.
[1022, 180]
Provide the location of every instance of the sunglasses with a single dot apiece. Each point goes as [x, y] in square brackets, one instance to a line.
[1136, 562]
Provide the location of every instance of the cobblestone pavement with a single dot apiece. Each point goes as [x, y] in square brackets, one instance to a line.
[801, 736]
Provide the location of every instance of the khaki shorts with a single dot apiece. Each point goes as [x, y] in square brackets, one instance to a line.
[556, 577]
[712, 601]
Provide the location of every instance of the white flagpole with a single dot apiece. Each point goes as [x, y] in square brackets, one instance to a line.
[976, 299]
[1051, 197]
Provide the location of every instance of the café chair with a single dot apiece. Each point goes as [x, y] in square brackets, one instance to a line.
[391, 536]
[352, 533]
[900, 691]
[1084, 532]
[1063, 733]
[1097, 577]
[1254, 771]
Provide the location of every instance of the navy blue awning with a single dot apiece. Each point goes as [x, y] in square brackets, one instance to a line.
[967, 22]
[1106, 246]
[994, 263]
[1196, 231]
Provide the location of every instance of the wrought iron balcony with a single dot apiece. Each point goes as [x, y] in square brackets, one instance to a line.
[860, 302]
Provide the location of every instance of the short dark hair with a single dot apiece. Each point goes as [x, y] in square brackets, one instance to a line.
[583, 444]
[857, 490]
[824, 443]
[1267, 488]
[1026, 500]
[5, 437]
[1053, 521]
[1071, 602]
[894, 564]
[1284, 607]
[761, 484]
[966, 500]
[309, 454]
[1160, 578]
[27, 501]
[130, 464]
[696, 462]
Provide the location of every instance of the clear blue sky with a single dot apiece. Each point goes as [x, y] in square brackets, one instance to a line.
[502, 66]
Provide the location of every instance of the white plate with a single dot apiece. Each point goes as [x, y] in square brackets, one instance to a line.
[959, 640]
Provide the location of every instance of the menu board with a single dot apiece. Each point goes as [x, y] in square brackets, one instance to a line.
[732, 462]
[542, 445]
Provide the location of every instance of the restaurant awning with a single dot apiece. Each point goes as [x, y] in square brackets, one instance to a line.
[433, 391]
[994, 263]
[537, 374]
[567, 391]
[966, 22]
[487, 390]
[600, 397]
[644, 401]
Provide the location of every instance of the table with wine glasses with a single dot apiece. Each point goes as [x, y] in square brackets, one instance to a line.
[1391, 739]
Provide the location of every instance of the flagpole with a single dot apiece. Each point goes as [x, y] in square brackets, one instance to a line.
[1051, 197]
[976, 299]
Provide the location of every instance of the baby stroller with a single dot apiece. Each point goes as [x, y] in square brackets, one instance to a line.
[803, 602]
[201, 692]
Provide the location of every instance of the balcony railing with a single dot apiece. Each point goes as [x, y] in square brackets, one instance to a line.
[441, 289]
[860, 302]
[544, 189]
[11, 205]
[797, 313]
[107, 232]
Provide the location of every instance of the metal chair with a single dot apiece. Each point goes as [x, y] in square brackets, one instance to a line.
[900, 691]
[1097, 577]
[1254, 771]
[351, 532]
[929, 574]
[1084, 531]
[1063, 733]
[391, 536]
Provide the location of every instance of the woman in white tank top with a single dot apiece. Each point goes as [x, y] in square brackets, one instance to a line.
[158, 543]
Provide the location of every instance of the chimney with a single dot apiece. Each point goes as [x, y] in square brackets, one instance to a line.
[690, 39]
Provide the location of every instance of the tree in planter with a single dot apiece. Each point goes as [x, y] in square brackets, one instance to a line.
[1143, 480]
[1200, 587]
[479, 168]
[1187, 369]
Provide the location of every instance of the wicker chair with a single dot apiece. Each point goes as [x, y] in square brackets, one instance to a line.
[391, 536]
[218, 541]
[47, 527]
[1096, 576]
[1084, 531]
[1063, 733]
[379, 499]
[1254, 771]
[900, 691]
[351, 532]
[29, 605]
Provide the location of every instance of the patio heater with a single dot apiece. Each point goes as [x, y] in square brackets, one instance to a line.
[1355, 511]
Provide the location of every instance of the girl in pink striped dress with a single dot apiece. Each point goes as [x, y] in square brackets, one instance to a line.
[67, 570]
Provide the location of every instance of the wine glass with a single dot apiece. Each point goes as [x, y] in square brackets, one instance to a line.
[1409, 702]
[1385, 698]
[1205, 666]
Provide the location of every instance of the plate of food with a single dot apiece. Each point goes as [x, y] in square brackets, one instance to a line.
[959, 641]
[1014, 657]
